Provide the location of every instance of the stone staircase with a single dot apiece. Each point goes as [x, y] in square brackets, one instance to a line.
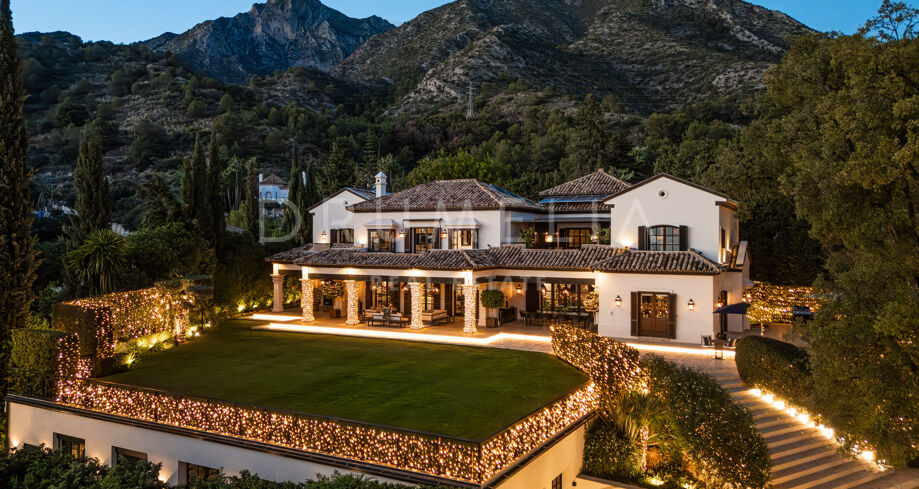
[802, 457]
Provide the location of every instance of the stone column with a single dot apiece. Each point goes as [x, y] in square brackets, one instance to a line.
[306, 300]
[417, 291]
[351, 297]
[469, 309]
[278, 281]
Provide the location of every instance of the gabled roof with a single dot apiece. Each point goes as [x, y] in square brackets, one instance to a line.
[675, 179]
[682, 262]
[363, 193]
[602, 258]
[449, 195]
[598, 183]
[273, 180]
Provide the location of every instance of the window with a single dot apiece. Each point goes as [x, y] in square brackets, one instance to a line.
[382, 295]
[464, 239]
[382, 241]
[345, 236]
[664, 238]
[76, 447]
[423, 239]
[557, 482]
[189, 472]
[578, 237]
[563, 297]
[123, 455]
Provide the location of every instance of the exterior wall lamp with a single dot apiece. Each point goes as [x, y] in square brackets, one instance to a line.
[443, 235]
[323, 236]
[618, 301]
[401, 234]
[519, 289]
[549, 238]
[691, 305]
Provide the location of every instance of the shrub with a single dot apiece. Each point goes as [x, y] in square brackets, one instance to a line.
[717, 436]
[779, 367]
[492, 299]
[608, 454]
[614, 366]
[34, 360]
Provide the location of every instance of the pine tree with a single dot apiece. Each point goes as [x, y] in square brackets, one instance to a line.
[93, 206]
[593, 145]
[215, 181]
[251, 203]
[17, 256]
[338, 168]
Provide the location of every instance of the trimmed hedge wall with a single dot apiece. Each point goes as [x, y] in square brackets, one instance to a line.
[614, 366]
[34, 359]
[776, 366]
[717, 435]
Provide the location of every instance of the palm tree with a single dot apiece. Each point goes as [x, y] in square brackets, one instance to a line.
[638, 417]
[97, 265]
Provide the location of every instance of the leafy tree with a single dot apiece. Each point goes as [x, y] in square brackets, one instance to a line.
[593, 145]
[840, 113]
[69, 112]
[227, 104]
[93, 206]
[196, 109]
[97, 265]
[337, 170]
[17, 255]
[168, 251]
[462, 164]
[150, 141]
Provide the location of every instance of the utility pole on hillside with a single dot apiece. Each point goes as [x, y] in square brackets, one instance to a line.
[470, 112]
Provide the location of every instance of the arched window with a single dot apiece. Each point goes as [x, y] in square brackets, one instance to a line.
[664, 238]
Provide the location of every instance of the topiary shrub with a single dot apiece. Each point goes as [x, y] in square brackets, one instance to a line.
[717, 436]
[492, 299]
[776, 366]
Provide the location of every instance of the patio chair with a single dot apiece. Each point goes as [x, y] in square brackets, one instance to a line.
[434, 318]
[707, 341]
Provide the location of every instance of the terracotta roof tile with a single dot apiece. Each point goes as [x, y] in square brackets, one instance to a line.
[448, 195]
[273, 180]
[598, 183]
[632, 261]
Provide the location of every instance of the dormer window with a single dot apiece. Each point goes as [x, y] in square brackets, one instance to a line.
[662, 238]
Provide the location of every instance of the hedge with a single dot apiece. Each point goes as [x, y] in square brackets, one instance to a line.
[717, 436]
[612, 365]
[778, 367]
[34, 360]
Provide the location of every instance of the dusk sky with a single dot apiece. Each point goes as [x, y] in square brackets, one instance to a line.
[127, 21]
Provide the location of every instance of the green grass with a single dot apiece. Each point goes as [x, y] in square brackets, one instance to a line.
[457, 391]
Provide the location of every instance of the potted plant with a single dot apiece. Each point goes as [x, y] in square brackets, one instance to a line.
[591, 303]
[335, 291]
[491, 301]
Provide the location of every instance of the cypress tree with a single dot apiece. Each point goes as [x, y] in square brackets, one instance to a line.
[252, 198]
[310, 197]
[196, 193]
[17, 255]
[217, 194]
[93, 206]
[189, 193]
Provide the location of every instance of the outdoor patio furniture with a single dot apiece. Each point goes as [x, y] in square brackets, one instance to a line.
[707, 342]
[435, 318]
[369, 313]
[392, 321]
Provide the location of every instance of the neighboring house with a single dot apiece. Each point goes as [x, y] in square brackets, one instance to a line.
[273, 192]
[675, 257]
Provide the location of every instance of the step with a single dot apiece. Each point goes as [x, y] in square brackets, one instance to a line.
[766, 410]
[860, 479]
[827, 462]
[789, 438]
[784, 451]
[780, 429]
[794, 459]
[744, 394]
[836, 475]
[780, 420]
[734, 385]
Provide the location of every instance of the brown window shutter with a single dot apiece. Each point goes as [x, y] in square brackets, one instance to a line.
[438, 243]
[368, 295]
[532, 299]
[334, 237]
[475, 240]
[369, 243]
[396, 294]
[449, 301]
[635, 313]
[450, 239]
[684, 238]
[642, 238]
[671, 319]
[408, 240]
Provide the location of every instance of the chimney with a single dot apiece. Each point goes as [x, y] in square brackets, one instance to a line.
[381, 184]
[261, 176]
[303, 177]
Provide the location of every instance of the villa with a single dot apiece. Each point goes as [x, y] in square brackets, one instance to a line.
[674, 267]
[329, 389]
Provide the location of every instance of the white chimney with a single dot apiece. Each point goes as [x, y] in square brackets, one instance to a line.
[303, 177]
[261, 176]
[381, 184]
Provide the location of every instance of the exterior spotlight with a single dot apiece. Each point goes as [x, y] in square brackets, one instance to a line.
[691, 305]
[618, 301]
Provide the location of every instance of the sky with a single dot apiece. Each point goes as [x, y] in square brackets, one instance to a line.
[126, 21]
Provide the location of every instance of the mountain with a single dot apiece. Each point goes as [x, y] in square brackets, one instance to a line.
[272, 36]
[654, 55]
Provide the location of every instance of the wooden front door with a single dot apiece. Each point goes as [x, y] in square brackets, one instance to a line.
[655, 314]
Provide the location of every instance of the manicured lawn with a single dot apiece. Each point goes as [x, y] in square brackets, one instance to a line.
[451, 390]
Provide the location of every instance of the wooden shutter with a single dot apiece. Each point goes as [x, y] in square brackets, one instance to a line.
[684, 238]
[642, 238]
[438, 243]
[475, 239]
[532, 299]
[369, 242]
[636, 313]
[407, 302]
[449, 300]
[396, 295]
[368, 294]
[450, 239]
[334, 237]
[408, 240]
[671, 318]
